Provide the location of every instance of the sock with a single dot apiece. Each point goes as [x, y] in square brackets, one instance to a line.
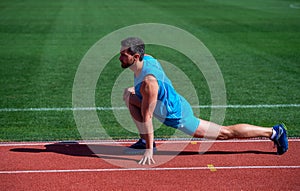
[273, 134]
[143, 141]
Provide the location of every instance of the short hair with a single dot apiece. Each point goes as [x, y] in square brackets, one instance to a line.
[134, 45]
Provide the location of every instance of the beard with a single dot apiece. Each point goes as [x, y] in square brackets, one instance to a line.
[126, 65]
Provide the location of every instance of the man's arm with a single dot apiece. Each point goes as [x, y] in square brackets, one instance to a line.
[149, 91]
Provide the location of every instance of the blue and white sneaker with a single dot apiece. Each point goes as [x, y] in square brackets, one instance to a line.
[138, 148]
[281, 140]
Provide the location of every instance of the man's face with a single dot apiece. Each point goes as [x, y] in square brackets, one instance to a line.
[126, 59]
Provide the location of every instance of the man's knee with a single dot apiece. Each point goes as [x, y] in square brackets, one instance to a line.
[127, 103]
[226, 133]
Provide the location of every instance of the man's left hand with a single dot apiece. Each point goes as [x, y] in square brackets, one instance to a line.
[148, 157]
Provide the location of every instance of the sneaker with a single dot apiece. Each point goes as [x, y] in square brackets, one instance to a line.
[281, 140]
[138, 148]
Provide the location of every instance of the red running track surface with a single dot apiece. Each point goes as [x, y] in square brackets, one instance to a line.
[227, 165]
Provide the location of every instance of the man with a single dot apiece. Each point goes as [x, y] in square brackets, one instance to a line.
[154, 96]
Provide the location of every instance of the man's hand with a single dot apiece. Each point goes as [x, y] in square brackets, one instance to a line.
[148, 157]
[128, 92]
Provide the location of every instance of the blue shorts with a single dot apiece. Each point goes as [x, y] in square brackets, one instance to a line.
[188, 123]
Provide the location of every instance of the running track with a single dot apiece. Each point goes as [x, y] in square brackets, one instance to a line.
[227, 165]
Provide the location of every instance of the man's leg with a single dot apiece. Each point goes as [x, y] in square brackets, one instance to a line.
[134, 105]
[136, 115]
[276, 133]
[212, 130]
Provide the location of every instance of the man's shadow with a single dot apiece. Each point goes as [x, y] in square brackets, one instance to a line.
[116, 151]
[80, 150]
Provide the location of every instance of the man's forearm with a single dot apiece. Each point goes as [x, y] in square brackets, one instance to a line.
[148, 134]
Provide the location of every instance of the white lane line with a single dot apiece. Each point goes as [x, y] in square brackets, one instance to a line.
[248, 106]
[295, 6]
[146, 169]
[176, 141]
[124, 108]
[62, 109]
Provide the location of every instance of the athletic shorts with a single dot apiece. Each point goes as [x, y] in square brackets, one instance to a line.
[188, 123]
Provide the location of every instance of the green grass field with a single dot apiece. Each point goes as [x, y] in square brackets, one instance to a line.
[255, 43]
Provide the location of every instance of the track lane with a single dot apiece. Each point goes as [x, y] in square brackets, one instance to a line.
[221, 154]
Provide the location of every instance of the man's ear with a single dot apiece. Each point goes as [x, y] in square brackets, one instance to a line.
[136, 57]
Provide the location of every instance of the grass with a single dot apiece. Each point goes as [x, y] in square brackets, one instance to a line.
[256, 45]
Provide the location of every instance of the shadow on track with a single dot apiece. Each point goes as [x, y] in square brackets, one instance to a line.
[116, 151]
[80, 150]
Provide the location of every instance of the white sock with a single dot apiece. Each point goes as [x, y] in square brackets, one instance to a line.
[143, 141]
[273, 134]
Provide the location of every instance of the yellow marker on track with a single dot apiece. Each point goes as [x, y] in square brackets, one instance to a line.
[211, 168]
[193, 142]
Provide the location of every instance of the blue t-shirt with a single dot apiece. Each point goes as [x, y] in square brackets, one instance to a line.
[168, 105]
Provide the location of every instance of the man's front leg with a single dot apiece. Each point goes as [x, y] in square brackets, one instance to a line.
[134, 106]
